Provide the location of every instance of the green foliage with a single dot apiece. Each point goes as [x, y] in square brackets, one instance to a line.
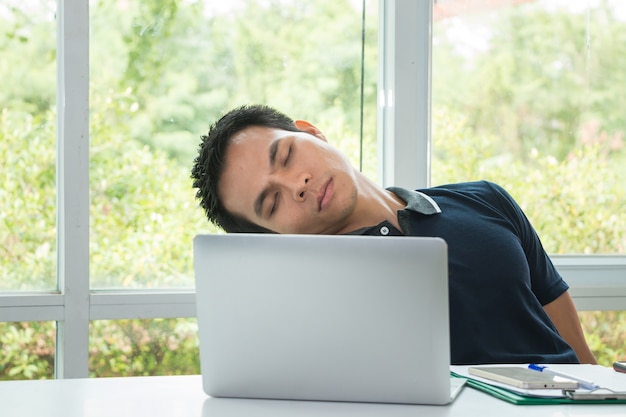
[578, 205]
[116, 348]
[605, 333]
[28, 200]
[28, 64]
[181, 72]
[27, 350]
[143, 211]
[143, 348]
[138, 197]
[539, 81]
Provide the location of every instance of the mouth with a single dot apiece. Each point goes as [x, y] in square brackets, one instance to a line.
[325, 195]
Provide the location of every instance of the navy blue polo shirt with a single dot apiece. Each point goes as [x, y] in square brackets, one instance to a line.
[499, 274]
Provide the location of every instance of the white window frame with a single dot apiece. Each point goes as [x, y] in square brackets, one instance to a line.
[598, 282]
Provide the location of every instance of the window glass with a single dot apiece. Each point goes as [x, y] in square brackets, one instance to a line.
[143, 347]
[162, 71]
[531, 95]
[27, 350]
[27, 145]
[605, 332]
[143, 91]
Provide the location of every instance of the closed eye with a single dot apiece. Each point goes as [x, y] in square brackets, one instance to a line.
[288, 157]
[274, 204]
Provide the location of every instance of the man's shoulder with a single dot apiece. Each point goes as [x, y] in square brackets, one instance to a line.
[482, 187]
[476, 193]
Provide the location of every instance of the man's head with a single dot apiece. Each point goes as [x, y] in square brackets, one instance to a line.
[209, 164]
[260, 171]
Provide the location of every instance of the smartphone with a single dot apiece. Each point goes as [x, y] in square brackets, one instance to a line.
[523, 377]
[620, 366]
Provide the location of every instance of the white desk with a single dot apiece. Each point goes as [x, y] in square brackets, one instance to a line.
[182, 396]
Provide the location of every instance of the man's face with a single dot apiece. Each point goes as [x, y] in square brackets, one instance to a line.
[288, 182]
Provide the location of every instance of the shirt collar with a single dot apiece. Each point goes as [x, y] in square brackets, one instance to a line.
[415, 201]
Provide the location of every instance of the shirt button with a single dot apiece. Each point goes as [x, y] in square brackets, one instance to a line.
[384, 230]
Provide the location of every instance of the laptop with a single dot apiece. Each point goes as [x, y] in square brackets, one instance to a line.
[329, 318]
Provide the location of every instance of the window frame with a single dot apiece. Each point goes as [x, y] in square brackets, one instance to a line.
[597, 282]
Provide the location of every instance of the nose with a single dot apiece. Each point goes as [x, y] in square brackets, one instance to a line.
[301, 186]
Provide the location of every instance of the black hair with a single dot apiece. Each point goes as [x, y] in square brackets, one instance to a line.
[209, 163]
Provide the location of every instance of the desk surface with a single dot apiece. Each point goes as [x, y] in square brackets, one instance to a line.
[175, 396]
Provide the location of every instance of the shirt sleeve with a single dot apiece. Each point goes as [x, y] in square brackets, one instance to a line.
[547, 284]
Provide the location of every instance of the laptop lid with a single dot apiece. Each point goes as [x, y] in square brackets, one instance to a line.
[333, 318]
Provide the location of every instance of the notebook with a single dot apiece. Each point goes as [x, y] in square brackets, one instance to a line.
[330, 318]
[609, 386]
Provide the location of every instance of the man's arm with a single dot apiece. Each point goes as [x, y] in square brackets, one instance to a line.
[563, 314]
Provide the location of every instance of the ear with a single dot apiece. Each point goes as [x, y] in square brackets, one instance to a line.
[309, 128]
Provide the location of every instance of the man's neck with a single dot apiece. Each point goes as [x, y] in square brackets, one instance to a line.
[374, 205]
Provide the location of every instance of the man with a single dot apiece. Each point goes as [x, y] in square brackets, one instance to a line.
[257, 170]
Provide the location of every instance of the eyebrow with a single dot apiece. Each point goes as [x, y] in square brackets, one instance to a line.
[258, 203]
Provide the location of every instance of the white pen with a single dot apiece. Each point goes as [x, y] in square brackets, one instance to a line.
[583, 383]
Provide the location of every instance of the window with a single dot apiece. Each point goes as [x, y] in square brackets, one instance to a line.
[100, 247]
[27, 120]
[529, 94]
[139, 82]
[597, 281]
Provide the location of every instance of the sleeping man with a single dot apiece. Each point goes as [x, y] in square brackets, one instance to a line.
[259, 171]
